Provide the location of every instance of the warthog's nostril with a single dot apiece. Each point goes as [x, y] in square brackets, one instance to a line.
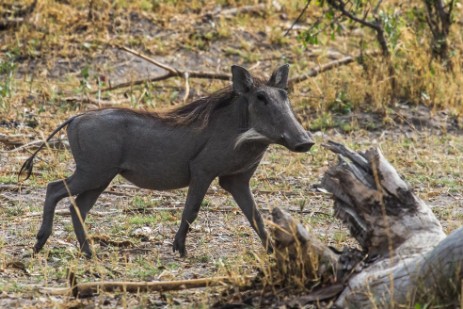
[303, 147]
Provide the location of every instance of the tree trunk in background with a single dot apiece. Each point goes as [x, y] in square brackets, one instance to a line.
[439, 19]
[405, 257]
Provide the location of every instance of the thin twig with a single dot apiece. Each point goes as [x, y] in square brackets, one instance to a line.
[340, 6]
[150, 60]
[298, 18]
[320, 69]
[328, 66]
[375, 10]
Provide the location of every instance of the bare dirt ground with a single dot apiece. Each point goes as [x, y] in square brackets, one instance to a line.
[424, 145]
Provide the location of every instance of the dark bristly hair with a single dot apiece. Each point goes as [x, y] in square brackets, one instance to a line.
[197, 112]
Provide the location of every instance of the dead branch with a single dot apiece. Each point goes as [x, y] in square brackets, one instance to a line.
[97, 102]
[106, 241]
[320, 69]
[92, 288]
[239, 10]
[298, 18]
[379, 208]
[166, 67]
[405, 258]
[174, 72]
[300, 254]
[66, 213]
[374, 24]
[171, 72]
[14, 140]
[55, 143]
[11, 187]
[118, 193]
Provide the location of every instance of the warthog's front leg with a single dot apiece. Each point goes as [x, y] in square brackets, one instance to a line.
[84, 202]
[238, 186]
[196, 191]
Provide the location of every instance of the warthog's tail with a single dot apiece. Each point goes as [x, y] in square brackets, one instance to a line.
[29, 163]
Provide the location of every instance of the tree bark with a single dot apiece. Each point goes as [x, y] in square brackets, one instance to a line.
[439, 19]
[405, 257]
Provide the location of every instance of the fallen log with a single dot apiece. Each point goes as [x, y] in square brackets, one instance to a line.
[404, 258]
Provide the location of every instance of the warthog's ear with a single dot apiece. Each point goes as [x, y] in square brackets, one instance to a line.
[242, 79]
[280, 77]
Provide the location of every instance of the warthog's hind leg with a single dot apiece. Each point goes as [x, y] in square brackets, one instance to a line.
[90, 185]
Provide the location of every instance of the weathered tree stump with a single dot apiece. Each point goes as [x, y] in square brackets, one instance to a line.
[405, 257]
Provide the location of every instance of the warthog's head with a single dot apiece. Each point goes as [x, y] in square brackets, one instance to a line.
[269, 116]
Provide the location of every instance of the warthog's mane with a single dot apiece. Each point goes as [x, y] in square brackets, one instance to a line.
[197, 112]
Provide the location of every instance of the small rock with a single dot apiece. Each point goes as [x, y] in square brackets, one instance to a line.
[277, 5]
[144, 233]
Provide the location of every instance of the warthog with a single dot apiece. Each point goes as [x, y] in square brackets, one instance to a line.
[223, 135]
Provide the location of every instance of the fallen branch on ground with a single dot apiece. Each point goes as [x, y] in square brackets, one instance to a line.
[14, 140]
[55, 143]
[91, 288]
[106, 241]
[89, 100]
[66, 212]
[11, 187]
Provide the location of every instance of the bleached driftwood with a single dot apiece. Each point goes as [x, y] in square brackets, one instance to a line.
[405, 257]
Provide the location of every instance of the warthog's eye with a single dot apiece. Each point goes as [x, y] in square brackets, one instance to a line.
[261, 97]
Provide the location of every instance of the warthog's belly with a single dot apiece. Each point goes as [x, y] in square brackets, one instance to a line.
[157, 181]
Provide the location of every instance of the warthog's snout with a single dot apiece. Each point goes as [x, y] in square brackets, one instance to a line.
[303, 147]
[302, 144]
[306, 144]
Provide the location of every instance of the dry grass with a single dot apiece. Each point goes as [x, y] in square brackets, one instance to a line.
[59, 53]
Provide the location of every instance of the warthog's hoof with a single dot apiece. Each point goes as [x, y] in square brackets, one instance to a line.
[88, 255]
[37, 247]
[179, 246]
[269, 248]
